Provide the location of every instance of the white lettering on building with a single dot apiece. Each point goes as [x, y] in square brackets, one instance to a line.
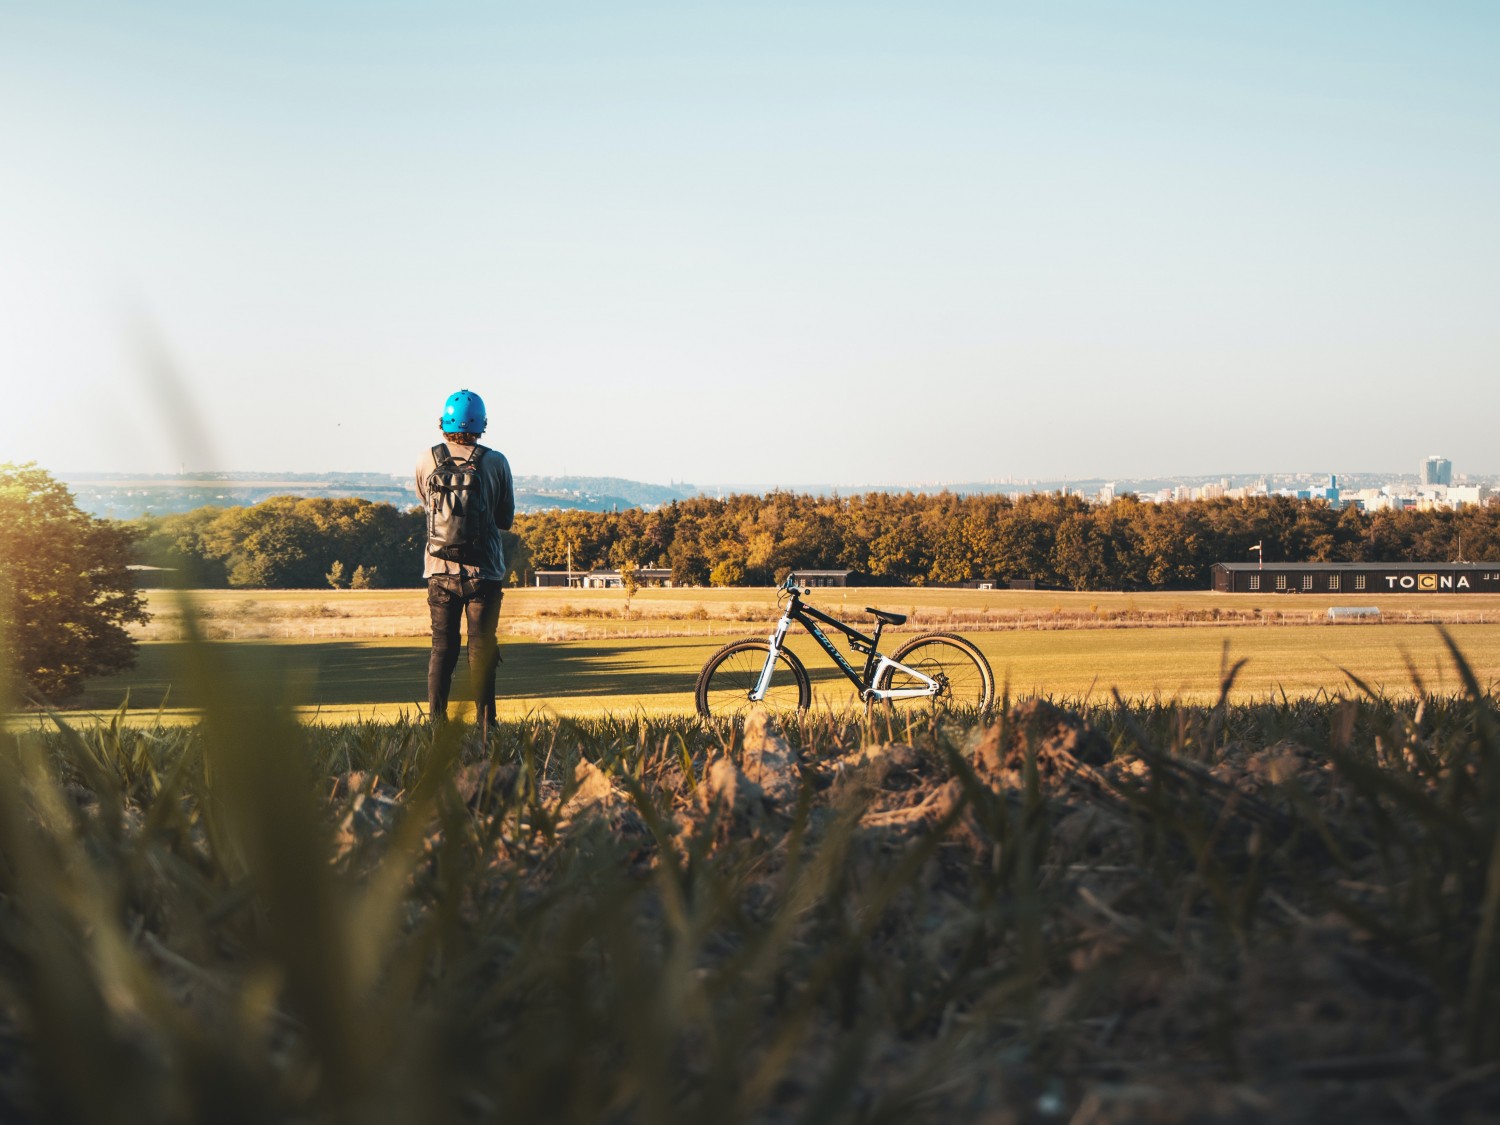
[1428, 582]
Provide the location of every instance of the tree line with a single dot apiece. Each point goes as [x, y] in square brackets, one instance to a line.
[1055, 540]
[287, 542]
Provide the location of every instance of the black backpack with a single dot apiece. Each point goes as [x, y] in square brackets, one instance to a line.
[456, 513]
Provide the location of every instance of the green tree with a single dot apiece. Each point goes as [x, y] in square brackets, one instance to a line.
[65, 593]
[175, 542]
[337, 577]
[271, 544]
[365, 578]
[689, 566]
[517, 558]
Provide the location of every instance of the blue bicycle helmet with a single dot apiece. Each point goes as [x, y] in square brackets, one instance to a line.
[463, 413]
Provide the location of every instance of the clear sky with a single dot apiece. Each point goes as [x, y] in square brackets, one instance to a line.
[767, 243]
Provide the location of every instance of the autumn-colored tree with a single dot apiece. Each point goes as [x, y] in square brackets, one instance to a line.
[630, 581]
[727, 573]
[65, 593]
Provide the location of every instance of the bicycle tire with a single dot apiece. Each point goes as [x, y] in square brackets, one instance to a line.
[968, 683]
[730, 675]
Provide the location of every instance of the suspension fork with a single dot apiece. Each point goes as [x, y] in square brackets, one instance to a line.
[763, 684]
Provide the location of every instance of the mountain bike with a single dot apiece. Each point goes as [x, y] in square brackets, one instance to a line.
[933, 669]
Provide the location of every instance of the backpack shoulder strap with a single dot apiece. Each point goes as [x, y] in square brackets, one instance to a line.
[440, 454]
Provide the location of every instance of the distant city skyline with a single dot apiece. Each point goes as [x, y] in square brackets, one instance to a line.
[826, 241]
[1420, 476]
[126, 496]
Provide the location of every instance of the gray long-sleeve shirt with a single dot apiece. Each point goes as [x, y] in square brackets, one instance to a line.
[499, 497]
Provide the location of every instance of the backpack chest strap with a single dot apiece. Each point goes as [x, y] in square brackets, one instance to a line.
[440, 455]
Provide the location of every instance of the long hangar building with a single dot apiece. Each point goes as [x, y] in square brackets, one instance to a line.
[1357, 578]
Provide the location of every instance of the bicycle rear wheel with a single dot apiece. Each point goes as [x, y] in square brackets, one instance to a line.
[730, 675]
[965, 681]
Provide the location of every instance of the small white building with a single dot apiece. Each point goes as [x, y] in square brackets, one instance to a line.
[1461, 494]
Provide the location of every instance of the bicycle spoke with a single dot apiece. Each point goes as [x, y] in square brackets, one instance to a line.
[962, 674]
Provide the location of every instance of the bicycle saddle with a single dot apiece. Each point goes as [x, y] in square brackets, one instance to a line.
[888, 618]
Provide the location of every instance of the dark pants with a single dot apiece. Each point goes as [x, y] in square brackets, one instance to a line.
[451, 600]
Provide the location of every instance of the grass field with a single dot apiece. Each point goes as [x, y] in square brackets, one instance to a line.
[550, 614]
[341, 679]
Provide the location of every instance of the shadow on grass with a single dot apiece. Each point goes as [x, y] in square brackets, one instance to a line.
[351, 673]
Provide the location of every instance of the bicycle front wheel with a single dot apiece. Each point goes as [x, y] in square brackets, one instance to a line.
[731, 674]
[964, 679]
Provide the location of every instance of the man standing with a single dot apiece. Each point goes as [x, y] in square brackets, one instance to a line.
[470, 499]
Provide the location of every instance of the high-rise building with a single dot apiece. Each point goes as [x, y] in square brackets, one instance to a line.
[1437, 470]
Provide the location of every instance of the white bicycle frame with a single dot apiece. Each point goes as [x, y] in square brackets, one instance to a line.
[928, 688]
